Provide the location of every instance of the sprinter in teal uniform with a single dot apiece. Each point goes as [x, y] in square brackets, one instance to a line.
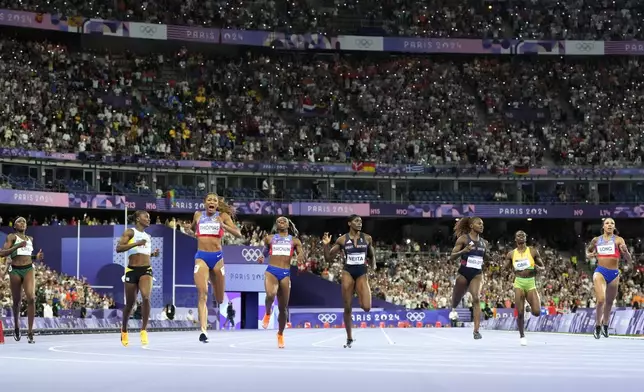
[21, 275]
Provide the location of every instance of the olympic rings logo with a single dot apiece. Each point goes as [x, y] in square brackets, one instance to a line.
[148, 29]
[327, 318]
[585, 46]
[364, 43]
[252, 254]
[415, 316]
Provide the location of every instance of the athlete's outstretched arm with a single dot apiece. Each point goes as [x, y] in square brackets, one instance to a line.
[624, 249]
[371, 252]
[538, 261]
[299, 250]
[329, 254]
[590, 251]
[508, 260]
[229, 225]
[460, 247]
[123, 245]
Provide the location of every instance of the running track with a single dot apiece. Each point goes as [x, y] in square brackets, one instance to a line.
[410, 360]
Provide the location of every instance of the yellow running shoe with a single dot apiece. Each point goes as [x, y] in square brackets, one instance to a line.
[266, 320]
[144, 338]
[125, 339]
[280, 341]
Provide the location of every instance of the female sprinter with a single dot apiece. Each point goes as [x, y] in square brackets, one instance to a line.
[524, 259]
[209, 227]
[607, 249]
[19, 246]
[279, 250]
[138, 273]
[358, 251]
[472, 250]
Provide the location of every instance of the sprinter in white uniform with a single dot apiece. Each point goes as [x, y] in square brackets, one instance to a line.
[138, 273]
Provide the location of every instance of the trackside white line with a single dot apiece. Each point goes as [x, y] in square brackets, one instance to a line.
[391, 342]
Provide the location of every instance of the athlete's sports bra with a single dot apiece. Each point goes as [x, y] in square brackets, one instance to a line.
[209, 226]
[607, 248]
[281, 246]
[27, 250]
[522, 261]
[140, 250]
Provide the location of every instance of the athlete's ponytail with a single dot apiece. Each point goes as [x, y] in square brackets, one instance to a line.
[462, 226]
[222, 206]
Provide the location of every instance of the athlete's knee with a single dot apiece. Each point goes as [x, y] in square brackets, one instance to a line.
[145, 297]
[30, 299]
[202, 296]
[347, 309]
[601, 300]
[476, 299]
[520, 317]
[536, 311]
[366, 308]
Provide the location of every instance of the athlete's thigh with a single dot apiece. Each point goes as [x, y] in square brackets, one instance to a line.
[145, 285]
[475, 285]
[29, 283]
[271, 284]
[218, 280]
[363, 290]
[284, 293]
[201, 275]
[599, 285]
[348, 286]
[533, 299]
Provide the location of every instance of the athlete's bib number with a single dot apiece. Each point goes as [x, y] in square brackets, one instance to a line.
[281, 250]
[474, 262]
[521, 265]
[212, 228]
[607, 249]
[27, 250]
[356, 259]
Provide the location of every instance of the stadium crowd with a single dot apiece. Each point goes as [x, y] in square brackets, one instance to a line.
[527, 19]
[488, 113]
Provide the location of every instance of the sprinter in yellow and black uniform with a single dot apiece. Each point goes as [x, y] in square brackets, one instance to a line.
[20, 247]
[524, 259]
[138, 273]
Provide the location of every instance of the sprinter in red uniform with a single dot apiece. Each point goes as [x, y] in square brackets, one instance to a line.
[209, 227]
[607, 248]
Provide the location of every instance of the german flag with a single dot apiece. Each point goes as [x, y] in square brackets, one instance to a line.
[364, 167]
[521, 170]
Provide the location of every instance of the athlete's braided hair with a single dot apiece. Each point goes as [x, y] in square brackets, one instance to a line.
[291, 226]
[462, 226]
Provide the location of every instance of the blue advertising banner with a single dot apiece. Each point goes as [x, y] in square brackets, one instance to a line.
[263, 207]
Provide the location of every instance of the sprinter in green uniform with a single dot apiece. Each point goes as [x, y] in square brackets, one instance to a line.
[524, 259]
[21, 275]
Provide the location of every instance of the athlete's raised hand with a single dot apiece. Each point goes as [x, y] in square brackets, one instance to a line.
[326, 239]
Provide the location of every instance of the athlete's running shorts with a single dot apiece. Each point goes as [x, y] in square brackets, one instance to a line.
[525, 284]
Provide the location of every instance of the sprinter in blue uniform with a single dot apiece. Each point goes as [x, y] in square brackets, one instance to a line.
[279, 248]
[359, 253]
[471, 249]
